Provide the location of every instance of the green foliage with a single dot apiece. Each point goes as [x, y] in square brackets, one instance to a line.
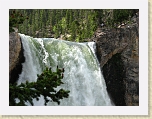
[60, 22]
[15, 18]
[80, 24]
[45, 85]
[120, 15]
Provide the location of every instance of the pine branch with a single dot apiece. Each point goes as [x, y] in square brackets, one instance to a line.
[45, 84]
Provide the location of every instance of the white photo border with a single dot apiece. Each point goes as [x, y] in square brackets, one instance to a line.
[142, 109]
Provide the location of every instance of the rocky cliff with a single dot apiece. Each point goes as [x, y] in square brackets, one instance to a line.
[118, 54]
[16, 57]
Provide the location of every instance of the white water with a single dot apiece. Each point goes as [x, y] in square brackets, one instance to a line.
[82, 74]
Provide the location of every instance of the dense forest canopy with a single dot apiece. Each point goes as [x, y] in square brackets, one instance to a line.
[71, 24]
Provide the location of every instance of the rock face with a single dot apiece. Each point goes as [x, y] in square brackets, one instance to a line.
[118, 54]
[16, 57]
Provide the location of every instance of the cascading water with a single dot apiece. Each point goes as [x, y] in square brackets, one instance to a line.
[82, 76]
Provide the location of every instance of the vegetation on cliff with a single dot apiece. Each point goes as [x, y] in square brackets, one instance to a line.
[116, 17]
[15, 19]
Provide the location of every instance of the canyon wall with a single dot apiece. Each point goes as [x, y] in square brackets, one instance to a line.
[118, 54]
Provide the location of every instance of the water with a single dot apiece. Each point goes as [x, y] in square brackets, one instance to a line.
[82, 74]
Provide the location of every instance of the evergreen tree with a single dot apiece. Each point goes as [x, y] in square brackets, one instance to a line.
[15, 18]
[45, 85]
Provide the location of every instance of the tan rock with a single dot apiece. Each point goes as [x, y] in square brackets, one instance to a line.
[14, 50]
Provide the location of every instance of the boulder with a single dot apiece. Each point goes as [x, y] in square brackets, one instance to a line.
[16, 57]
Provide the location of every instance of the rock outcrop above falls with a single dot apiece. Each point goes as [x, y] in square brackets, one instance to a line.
[16, 57]
[118, 54]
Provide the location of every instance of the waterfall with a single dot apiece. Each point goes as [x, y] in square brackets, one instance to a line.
[82, 76]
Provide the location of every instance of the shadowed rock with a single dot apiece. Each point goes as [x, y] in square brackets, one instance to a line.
[16, 57]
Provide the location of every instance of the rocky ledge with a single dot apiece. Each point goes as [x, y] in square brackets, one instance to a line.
[118, 54]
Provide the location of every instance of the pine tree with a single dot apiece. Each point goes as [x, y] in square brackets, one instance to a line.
[15, 18]
[45, 85]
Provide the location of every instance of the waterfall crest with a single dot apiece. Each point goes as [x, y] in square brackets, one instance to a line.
[82, 74]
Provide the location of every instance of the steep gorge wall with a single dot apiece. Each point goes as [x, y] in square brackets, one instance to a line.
[118, 54]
